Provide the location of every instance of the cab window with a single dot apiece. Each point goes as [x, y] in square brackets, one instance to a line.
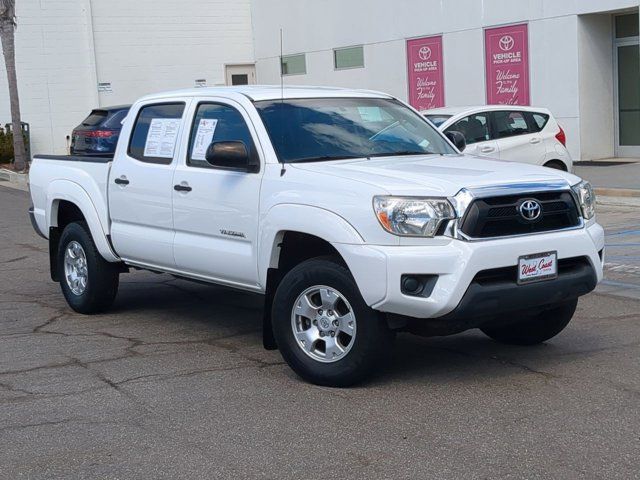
[475, 128]
[155, 133]
[216, 122]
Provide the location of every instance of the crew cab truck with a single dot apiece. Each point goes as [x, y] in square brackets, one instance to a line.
[352, 215]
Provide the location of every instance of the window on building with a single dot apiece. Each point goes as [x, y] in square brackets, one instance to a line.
[475, 128]
[239, 79]
[215, 122]
[350, 57]
[155, 133]
[627, 25]
[509, 124]
[294, 64]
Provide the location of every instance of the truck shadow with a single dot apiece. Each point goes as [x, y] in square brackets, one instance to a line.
[207, 311]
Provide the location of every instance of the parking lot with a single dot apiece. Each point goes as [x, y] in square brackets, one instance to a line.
[174, 383]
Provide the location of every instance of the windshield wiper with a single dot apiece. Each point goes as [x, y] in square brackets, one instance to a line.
[400, 153]
[325, 158]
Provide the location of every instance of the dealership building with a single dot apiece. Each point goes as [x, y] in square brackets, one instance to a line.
[579, 58]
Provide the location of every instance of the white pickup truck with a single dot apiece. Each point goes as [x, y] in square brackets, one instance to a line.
[352, 215]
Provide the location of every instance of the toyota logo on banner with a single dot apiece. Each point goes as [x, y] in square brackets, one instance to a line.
[424, 53]
[506, 43]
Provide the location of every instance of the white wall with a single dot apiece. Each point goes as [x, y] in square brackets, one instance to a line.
[553, 71]
[595, 45]
[316, 28]
[53, 68]
[64, 47]
[153, 45]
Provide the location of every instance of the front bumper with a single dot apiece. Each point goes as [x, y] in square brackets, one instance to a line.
[378, 271]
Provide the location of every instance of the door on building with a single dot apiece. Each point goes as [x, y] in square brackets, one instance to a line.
[627, 83]
[241, 74]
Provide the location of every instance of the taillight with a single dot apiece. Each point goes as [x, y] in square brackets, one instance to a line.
[97, 133]
[561, 137]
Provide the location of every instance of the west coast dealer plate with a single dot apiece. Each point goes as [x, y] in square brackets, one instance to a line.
[537, 267]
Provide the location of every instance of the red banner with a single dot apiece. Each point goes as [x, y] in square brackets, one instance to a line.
[426, 74]
[507, 65]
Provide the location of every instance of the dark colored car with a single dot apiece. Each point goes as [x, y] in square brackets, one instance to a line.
[98, 133]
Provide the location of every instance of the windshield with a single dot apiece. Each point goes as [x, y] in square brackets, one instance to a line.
[318, 129]
[438, 120]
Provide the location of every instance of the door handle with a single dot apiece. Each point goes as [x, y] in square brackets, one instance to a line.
[534, 141]
[487, 149]
[182, 188]
[121, 181]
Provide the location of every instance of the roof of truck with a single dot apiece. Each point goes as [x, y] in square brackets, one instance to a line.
[270, 92]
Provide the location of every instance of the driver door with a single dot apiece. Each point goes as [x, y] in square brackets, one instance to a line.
[215, 210]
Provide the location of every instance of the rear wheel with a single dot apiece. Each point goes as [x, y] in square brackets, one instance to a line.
[538, 329]
[89, 283]
[324, 329]
[556, 164]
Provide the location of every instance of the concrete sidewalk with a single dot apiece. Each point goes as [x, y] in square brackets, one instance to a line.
[612, 177]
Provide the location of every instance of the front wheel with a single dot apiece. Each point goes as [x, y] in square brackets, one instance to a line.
[324, 329]
[538, 329]
[89, 283]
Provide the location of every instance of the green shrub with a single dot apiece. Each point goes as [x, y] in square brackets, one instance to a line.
[6, 145]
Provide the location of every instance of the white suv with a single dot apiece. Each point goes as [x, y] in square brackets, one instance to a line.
[507, 132]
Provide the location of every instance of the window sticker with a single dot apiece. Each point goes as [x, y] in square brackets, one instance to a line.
[204, 137]
[162, 137]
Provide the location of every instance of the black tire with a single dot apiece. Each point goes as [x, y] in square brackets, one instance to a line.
[371, 344]
[538, 329]
[103, 276]
[556, 165]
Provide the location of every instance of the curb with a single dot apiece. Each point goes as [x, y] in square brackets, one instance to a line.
[21, 179]
[617, 192]
[618, 201]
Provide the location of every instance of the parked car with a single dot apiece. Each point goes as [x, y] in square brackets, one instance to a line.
[346, 209]
[98, 133]
[513, 133]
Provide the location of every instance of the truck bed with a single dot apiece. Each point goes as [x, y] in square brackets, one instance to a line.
[77, 158]
[69, 175]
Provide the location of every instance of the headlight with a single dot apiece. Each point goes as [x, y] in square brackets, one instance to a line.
[587, 199]
[412, 216]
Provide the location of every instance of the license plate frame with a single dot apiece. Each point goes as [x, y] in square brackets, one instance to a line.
[544, 274]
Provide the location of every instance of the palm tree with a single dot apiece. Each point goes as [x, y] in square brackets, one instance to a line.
[7, 37]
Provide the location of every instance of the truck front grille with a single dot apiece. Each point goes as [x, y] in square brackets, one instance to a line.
[500, 216]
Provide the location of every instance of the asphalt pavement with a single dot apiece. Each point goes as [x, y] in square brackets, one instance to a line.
[174, 383]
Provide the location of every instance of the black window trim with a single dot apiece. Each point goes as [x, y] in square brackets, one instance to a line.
[253, 149]
[533, 125]
[155, 160]
[494, 129]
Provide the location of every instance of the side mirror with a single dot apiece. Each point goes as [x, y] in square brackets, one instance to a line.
[457, 139]
[231, 156]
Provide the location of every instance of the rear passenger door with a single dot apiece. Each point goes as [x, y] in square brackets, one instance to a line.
[141, 183]
[516, 139]
[476, 129]
[216, 209]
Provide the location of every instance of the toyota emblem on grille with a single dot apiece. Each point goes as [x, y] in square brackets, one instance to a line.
[530, 210]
